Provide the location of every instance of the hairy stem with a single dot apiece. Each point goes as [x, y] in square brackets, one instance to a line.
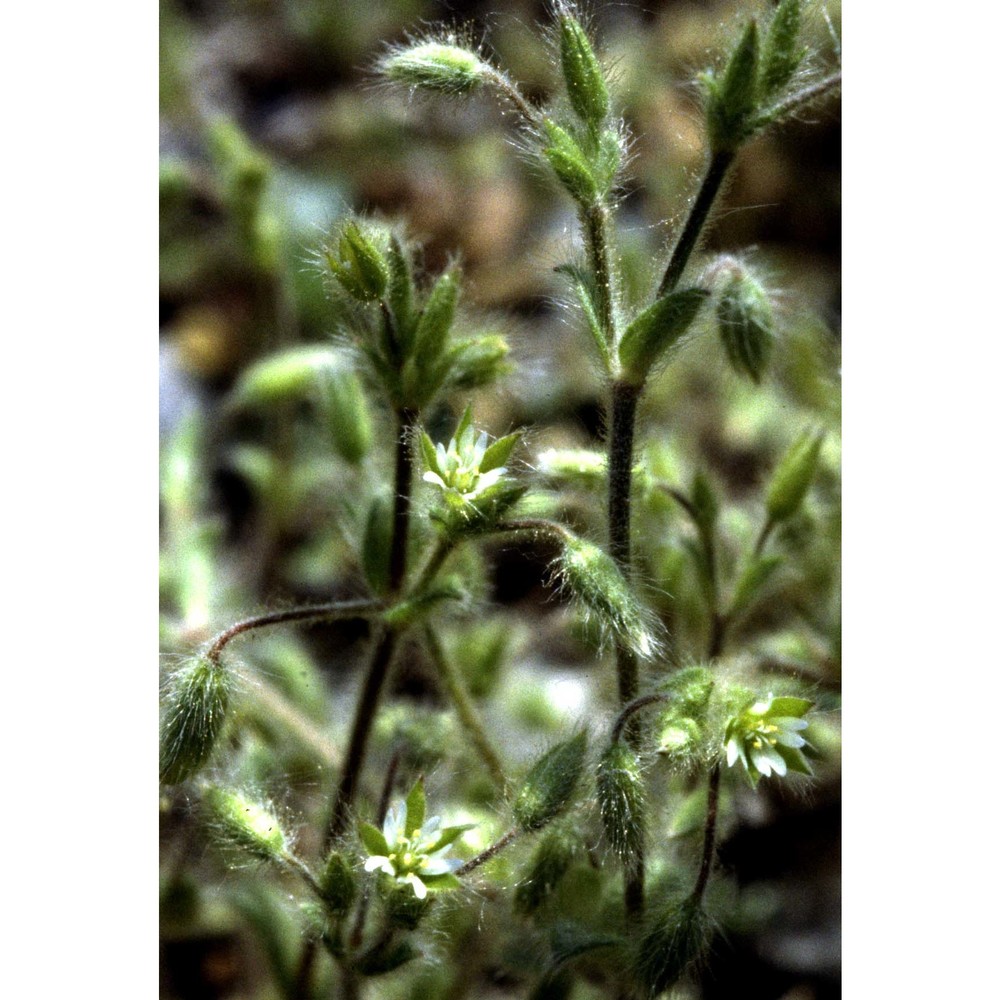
[334, 611]
[509, 89]
[708, 846]
[595, 226]
[800, 98]
[483, 856]
[407, 421]
[465, 709]
[711, 183]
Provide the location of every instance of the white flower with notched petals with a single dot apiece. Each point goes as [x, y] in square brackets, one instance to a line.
[766, 738]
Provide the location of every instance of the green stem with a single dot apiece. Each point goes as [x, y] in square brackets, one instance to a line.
[483, 856]
[711, 184]
[465, 710]
[509, 89]
[708, 845]
[595, 226]
[407, 422]
[800, 98]
[631, 708]
[762, 538]
[334, 611]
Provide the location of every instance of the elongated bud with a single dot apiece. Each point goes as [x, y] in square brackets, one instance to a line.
[676, 940]
[338, 884]
[478, 362]
[549, 784]
[246, 824]
[359, 266]
[655, 330]
[435, 65]
[592, 577]
[194, 712]
[792, 478]
[285, 377]
[621, 796]
[556, 851]
[436, 320]
[732, 100]
[348, 415]
[570, 164]
[746, 325]
[781, 54]
[588, 93]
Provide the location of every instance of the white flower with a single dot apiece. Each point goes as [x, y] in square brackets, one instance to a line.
[766, 738]
[457, 467]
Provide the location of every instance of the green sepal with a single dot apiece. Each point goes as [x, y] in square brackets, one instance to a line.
[242, 823]
[789, 707]
[570, 164]
[449, 835]
[676, 939]
[705, 503]
[781, 55]
[752, 580]
[386, 958]
[549, 785]
[588, 92]
[338, 884]
[358, 265]
[732, 100]
[655, 330]
[556, 851]
[793, 476]
[373, 839]
[416, 807]
[442, 882]
[429, 453]
[435, 321]
[498, 452]
[794, 759]
[404, 909]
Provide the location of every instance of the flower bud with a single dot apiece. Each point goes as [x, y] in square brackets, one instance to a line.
[348, 416]
[549, 784]
[478, 361]
[588, 93]
[338, 884]
[746, 325]
[552, 859]
[733, 99]
[621, 796]
[792, 478]
[194, 712]
[435, 321]
[358, 265]
[677, 939]
[288, 376]
[781, 55]
[434, 65]
[594, 579]
[245, 824]
[570, 164]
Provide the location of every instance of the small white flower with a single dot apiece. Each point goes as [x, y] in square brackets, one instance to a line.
[765, 738]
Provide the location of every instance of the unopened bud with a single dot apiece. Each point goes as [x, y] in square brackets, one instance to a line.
[746, 325]
[570, 164]
[552, 859]
[588, 93]
[621, 796]
[194, 712]
[793, 476]
[732, 100]
[246, 824]
[358, 265]
[676, 940]
[549, 784]
[338, 884]
[439, 66]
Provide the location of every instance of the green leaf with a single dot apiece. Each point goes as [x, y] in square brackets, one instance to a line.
[657, 329]
[498, 452]
[377, 543]
[753, 580]
[373, 839]
[585, 292]
[416, 806]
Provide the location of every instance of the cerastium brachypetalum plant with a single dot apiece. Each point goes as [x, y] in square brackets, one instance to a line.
[380, 883]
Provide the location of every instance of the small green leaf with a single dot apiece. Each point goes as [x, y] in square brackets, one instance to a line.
[377, 543]
[657, 329]
[569, 940]
[373, 839]
[753, 579]
[416, 806]
[464, 423]
[583, 284]
[498, 452]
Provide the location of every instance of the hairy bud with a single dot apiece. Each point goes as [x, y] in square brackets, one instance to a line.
[655, 330]
[358, 265]
[588, 93]
[621, 796]
[732, 100]
[792, 478]
[746, 325]
[338, 884]
[246, 824]
[549, 784]
[194, 711]
[676, 940]
[552, 859]
[434, 65]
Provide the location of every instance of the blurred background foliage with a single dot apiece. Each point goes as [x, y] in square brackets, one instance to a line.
[272, 128]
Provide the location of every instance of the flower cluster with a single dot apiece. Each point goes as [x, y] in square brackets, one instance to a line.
[767, 738]
[412, 851]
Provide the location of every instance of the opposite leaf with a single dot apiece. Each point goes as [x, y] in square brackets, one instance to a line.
[657, 329]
